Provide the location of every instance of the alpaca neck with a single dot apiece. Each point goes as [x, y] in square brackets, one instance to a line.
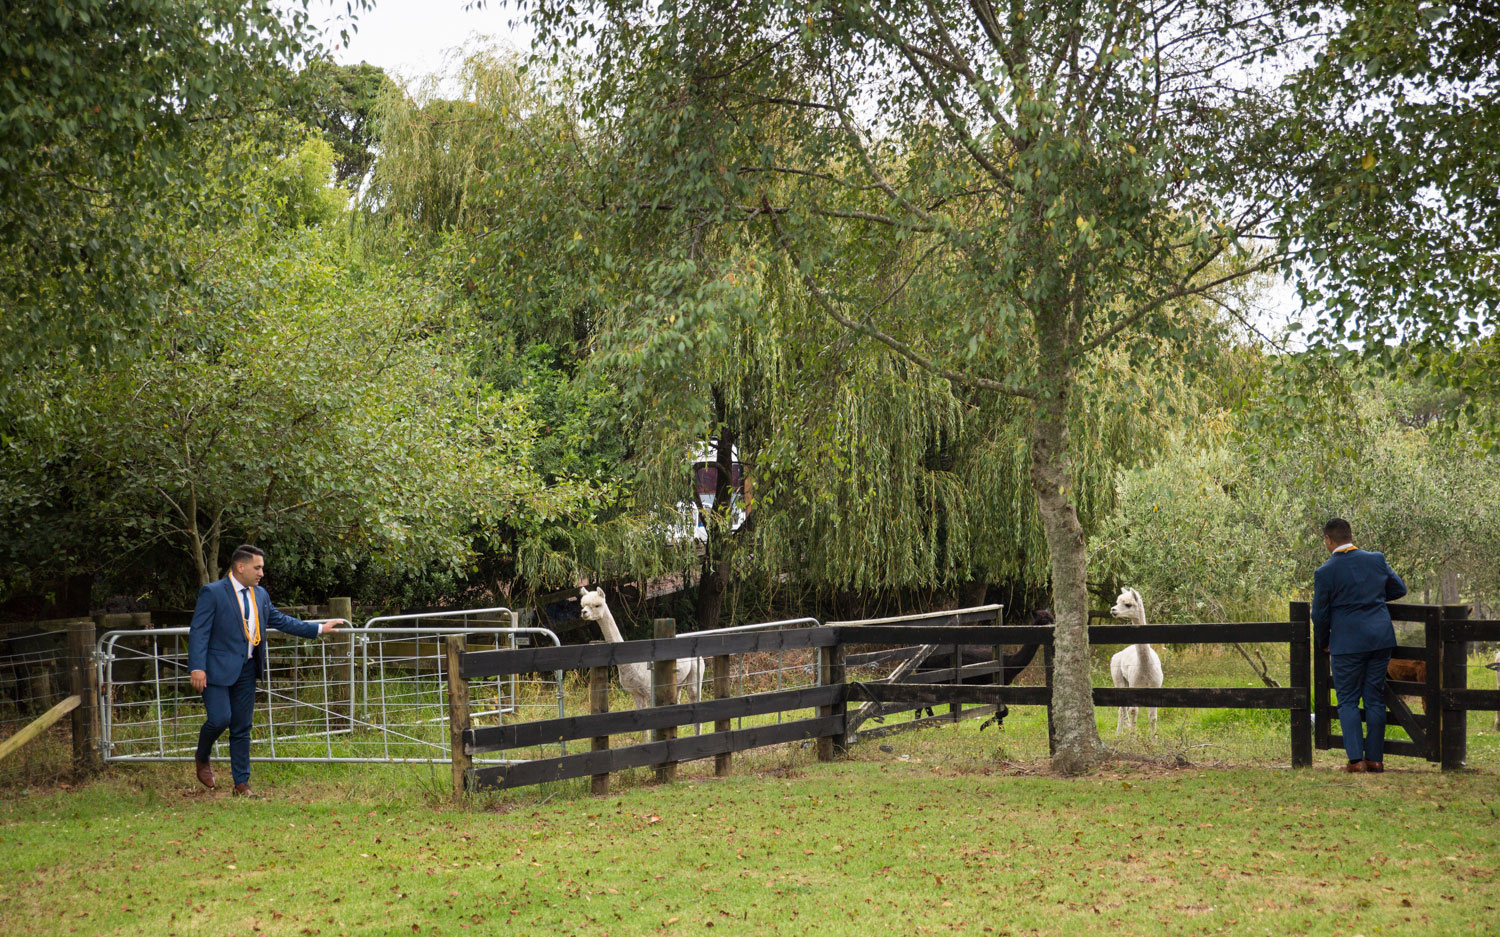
[1142, 649]
[610, 629]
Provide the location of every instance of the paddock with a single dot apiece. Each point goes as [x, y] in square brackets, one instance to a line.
[386, 693]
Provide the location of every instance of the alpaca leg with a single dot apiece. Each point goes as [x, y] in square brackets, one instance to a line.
[1153, 720]
[695, 689]
[1120, 721]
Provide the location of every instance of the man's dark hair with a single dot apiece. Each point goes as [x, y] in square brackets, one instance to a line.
[245, 552]
[1338, 531]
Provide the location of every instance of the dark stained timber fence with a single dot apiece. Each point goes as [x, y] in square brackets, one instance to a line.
[838, 703]
[1455, 697]
[1439, 733]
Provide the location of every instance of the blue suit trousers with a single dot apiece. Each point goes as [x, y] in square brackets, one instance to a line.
[232, 707]
[1355, 677]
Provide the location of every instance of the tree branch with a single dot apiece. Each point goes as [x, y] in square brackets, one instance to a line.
[885, 338]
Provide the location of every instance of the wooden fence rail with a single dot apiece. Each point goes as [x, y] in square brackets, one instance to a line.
[840, 704]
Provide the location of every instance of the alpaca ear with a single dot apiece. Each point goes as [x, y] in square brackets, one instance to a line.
[1137, 596]
[583, 590]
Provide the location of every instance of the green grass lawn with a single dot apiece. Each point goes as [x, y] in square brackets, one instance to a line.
[1199, 830]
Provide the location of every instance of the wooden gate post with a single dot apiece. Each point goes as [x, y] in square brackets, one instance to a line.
[599, 703]
[1323, 712]
[1300, 662]
[87, 754]
[458, 715]
[664, 691]
[1432, 702]
[723, 760]
[341, 696]
[831, 671]
[1454, 731]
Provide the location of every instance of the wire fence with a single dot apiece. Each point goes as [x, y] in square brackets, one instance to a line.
[34, 677]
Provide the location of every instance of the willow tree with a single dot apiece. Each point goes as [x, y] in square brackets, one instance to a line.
[1069, 167]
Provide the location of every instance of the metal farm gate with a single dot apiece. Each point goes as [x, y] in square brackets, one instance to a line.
[371, 693]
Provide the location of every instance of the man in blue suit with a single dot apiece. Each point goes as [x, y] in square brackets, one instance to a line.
[227, 654]
[1351, 622]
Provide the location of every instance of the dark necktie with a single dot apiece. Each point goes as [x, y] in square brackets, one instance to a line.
[245, 597]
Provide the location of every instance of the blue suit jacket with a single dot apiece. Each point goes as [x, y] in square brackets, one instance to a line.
[1348, 608]
[216, 638]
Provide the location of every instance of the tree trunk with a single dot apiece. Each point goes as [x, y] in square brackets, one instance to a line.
[1077, 734]
[713, 582]
[972, 594]
[195, 540]
[215, 538]
[1447, 587]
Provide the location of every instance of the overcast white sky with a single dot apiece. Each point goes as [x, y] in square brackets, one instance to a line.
[410, 38]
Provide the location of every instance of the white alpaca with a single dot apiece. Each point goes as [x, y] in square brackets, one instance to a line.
[636, 678]
[1137, 665]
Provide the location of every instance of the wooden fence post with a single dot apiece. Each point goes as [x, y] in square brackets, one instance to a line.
[458, 715]
[87, 755]
[599, 703]
[1432, 630]
[341, 695]
[1300, 663]
[955, 710]
[664, 691]
[831, 672]
[723, 760]
[1454, 731]
[1323, 712]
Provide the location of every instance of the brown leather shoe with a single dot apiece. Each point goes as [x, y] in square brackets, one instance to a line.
[243, 790]
[1374, 767]
[205, 773]
[1354, 767]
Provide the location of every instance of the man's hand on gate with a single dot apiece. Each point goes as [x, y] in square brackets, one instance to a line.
[198, 679]
[327, 627]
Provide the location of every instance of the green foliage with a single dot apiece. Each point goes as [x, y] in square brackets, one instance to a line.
[1225, 525]
[108, 113]
[1204, 535]
[295, 193]
[1396, 193]
[340, 102]
[306, 396]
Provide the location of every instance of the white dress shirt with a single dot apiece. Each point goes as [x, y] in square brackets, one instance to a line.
[240, 591]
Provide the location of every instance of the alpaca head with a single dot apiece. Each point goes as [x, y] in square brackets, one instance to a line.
[592, 604]
[1129, 606]
[1042, 616]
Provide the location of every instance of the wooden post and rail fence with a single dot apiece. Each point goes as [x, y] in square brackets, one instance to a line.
[831, 712]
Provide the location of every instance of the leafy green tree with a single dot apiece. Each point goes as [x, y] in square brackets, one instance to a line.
[307, 392]
[341, 102]
[114, 119]
[1226, 523]
[1064, 171]
[1396, 186]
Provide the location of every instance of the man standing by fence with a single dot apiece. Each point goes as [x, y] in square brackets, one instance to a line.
[1351, 622]
[226, 655]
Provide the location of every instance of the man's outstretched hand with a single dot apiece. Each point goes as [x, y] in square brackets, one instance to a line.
[328, 627]
[199, 680]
